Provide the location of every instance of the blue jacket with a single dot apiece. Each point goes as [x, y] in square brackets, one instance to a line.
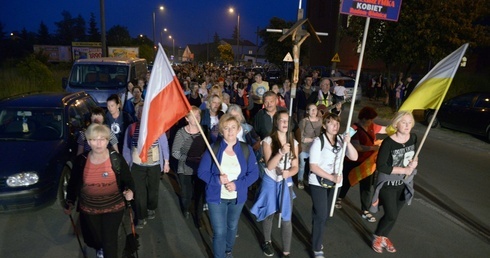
[209, 173]
[269, 200]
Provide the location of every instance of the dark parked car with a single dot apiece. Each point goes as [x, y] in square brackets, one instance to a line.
[37, 144]
[469, 113]
[273, 74]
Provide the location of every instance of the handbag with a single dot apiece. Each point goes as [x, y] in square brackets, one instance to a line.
[325, 183]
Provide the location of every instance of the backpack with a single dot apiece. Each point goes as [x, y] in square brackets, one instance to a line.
[243, 145]
[322, 141]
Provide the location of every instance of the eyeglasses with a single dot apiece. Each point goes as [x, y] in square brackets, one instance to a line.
[98, 140]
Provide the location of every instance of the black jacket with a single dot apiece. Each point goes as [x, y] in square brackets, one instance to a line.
[119, 166]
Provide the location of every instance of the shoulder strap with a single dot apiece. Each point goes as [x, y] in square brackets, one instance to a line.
[215, 146]
[245, 150]
[115, 162]
[322, 141]
[244, 146]
[364, 131]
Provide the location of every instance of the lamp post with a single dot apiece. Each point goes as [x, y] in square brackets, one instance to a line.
[232, 10]
[161, 34]
[154, 20]
[173, 46]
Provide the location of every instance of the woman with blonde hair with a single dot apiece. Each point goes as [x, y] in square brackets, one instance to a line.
[396, 165]
[101, 183]
[226, 190]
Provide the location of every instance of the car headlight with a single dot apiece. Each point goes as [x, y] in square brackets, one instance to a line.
[23, 179]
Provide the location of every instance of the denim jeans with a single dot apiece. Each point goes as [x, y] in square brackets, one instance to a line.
[301, 173]
[224, 220]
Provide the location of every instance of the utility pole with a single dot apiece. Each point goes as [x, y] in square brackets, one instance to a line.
[102, 29]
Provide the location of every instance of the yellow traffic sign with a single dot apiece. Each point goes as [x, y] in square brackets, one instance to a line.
[336, 58]
[288, 58]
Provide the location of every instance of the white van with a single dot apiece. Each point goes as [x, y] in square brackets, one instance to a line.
[101, 77]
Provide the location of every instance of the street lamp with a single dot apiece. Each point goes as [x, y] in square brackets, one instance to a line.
[154, 18]
[161, 34]
[173, 46]
[231, 10]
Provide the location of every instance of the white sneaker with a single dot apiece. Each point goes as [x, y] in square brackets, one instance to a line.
[141, 223]
[100, 253]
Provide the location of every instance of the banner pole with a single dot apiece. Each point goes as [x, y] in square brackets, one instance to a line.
[351, 110]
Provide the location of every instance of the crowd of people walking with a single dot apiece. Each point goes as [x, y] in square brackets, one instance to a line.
[243, 135]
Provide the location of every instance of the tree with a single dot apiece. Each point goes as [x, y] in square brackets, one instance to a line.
[275, 50]
[145, 45]
[118, 36]
[214, 53]
[93, 31]
[235, 33]
[2, 32]
[43, 36]
[147, 53]
[225, 53]
[425, 33]
[65, 32]
[79, 29]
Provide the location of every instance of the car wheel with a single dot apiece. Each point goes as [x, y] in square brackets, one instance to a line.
[488, 135]
[435, 124]
[62, 186]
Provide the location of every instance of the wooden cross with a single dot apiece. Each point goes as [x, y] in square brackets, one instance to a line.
[299, 35]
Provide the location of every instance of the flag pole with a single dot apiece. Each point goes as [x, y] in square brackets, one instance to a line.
[443, 64]
[288, 135]
[351, 110]
[207, 143]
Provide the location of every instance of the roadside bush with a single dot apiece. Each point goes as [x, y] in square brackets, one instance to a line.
[36, 72]
[31, 75]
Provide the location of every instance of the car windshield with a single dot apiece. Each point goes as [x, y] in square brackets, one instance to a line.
[31, 124]
[98, 76]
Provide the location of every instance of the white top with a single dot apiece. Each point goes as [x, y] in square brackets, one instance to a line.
[231, 167]
[240, 136]
[326, 159]
[272, 173]
[214, 121]
[339, 90]
[224, 107]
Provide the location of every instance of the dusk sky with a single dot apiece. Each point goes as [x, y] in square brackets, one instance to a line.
[188, 21]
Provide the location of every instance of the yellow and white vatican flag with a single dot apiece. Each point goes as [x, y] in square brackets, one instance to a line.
[431, 90]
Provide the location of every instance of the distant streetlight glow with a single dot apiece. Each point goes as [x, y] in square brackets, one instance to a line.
[232, 10]
[161, 8]
[173, 45]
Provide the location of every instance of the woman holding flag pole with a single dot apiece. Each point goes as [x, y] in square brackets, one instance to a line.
[325, 171]
[396, 164]
[227, 175]
[276, 193]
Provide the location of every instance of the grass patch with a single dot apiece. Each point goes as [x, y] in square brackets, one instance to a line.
[26, 77]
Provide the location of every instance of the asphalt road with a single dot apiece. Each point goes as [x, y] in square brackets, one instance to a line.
[448, 217]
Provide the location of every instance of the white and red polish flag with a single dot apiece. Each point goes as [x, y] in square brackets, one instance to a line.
[165, 103]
